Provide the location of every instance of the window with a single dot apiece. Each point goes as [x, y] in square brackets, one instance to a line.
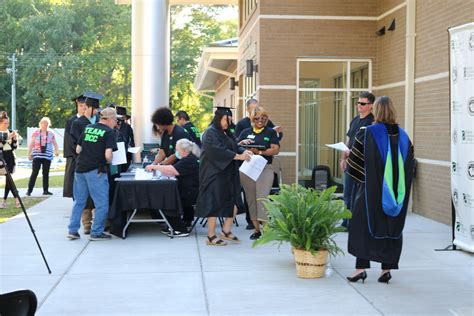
[247, 8]
[250, 86]
[327, 94]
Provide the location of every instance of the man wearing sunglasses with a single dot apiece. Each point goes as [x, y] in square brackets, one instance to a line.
[365, 118]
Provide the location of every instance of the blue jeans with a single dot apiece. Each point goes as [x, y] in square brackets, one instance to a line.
[97, 185]
[348, 188]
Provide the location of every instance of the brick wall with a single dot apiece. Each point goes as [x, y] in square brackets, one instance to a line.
[432, 125]
[282, 41]
[319, 7]
[389, 65]
[397, 95]
[433, 18]
[386, 5]
[432, 190]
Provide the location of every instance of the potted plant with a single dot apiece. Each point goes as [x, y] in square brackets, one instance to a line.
[308, 219]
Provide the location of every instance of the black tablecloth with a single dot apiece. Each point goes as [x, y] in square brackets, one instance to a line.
[140, 194]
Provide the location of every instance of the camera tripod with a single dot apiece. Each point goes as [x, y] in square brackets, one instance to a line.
[14, 190]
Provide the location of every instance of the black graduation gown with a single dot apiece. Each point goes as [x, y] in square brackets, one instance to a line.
[219, 182]
[129, 139]
[373, 235]
[70, 155]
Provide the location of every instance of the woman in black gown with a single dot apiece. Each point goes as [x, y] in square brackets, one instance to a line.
[219, 183]
[381, 163]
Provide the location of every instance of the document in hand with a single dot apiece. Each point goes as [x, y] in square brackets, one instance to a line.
[254, 167]
[119, 157]
[133, 150]
[339, 146]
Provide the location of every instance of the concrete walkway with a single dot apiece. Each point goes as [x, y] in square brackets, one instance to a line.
[150, 274]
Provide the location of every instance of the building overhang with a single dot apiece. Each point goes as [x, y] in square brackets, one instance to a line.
[203, 2]
[214, 63]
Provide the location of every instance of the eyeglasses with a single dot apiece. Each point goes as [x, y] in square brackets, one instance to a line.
[363, 103]
[260, 119]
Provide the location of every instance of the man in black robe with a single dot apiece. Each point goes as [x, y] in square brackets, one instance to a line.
[219, 182]
[365, 118]
[127, 134]
[69, 147]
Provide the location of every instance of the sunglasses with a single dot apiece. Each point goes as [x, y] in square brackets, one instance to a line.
[363, 103]
[260, 119]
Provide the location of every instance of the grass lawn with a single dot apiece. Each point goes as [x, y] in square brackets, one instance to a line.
[54, 182]
[11, 210]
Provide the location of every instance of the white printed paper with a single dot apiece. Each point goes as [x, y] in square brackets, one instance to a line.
[119, 156]
[133, 150]
[254, 167]
[142, 174]
[339, 146]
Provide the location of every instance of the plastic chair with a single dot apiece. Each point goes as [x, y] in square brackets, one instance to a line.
[321, 177]
[18, 303]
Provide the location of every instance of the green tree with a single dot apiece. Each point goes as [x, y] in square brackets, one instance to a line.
[187, 42]
[63, 48]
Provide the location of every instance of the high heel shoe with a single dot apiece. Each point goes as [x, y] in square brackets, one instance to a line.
[357, 277]
[384, 278]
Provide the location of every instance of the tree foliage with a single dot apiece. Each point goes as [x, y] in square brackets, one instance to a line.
[63, 48]
[187, 42]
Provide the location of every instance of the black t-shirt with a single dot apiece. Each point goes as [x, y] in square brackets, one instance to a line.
[245, 123]
[266, 137]
[188, 179]
[168, 142]
[193, 133]
[355, 126]
[94, 141]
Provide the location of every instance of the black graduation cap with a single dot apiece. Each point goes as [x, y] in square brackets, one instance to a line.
[223, 110]
[121, 110]
[95, 97]
[80, 98]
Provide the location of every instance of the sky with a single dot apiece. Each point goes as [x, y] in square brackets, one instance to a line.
[231, 12]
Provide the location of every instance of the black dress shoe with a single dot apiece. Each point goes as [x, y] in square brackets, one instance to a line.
[256, 235]
[384, 278]
[357, 277]
[249, 227]
[28, 193]
[47, 193]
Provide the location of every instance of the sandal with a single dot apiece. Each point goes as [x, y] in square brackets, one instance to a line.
[215, 241]
[229, 236]
[17, 203]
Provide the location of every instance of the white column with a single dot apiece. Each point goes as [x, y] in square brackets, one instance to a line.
[410, 68]
[150, 64]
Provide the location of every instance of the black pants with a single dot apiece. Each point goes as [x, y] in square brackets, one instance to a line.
[8, 188]
[37, 163]
[177, 223]
[365, 264]
[188, 214]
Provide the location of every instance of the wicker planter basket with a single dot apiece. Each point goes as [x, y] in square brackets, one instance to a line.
[309, 266]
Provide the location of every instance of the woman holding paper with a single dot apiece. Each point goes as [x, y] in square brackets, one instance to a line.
[219, 184]
[263, 141]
